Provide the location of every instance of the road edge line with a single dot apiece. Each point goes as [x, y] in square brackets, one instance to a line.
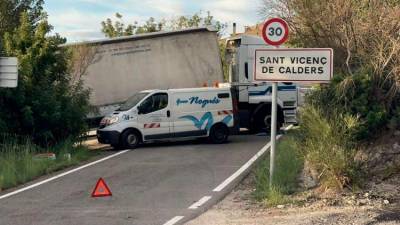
[61, 175]
[248, 164]
[174, 220]
[200, 202]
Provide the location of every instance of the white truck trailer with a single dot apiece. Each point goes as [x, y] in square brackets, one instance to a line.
[160, 60]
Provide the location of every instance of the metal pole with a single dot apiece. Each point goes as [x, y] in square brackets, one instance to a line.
[273, 131]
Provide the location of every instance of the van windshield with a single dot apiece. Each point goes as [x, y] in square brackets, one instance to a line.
[132, 101]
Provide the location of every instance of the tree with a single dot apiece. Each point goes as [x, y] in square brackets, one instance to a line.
[10, 11]
[151, 25]
[197, 20]
[118, 27]
[46, 105]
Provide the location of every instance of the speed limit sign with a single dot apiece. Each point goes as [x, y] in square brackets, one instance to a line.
[275, 31]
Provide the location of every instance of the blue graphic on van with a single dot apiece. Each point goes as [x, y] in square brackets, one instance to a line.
[227, 119]
[206, 117]
[198, 101]
[179, 101]
[199, 123]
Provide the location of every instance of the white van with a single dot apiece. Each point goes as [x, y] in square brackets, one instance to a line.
[169, 114]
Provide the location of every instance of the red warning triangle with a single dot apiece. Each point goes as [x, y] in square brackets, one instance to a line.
[101, 189]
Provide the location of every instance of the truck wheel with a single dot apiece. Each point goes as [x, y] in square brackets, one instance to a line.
[267, 122]
[219, 134]
[263, 122]
[130, 139]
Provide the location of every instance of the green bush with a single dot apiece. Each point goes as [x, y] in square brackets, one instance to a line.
[355, 96]
[329, 145]
[49, 104]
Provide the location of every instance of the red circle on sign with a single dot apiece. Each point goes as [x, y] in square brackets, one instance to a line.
[285, 27]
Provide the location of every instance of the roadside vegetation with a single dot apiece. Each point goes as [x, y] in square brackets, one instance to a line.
[20, 159]
[362, 103]
[329, 146]
[288, 164]
[47, 111]
[48, 105]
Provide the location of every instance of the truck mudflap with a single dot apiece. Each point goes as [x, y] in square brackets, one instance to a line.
[235, 108]
[108, 137]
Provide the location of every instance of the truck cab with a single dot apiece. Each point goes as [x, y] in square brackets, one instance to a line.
[254, 96]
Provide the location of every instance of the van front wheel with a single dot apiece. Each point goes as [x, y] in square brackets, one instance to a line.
[130, 139]
[219, 134]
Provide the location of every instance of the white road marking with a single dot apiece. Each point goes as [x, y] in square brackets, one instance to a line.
[200, 202]
[247, 164]
[244, 167]
[61, 175]
[173, 220]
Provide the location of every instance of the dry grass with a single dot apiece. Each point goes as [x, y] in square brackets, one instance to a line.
[18, 164]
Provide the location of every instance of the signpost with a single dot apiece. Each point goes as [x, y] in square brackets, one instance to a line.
[287, 65]
[8, 72]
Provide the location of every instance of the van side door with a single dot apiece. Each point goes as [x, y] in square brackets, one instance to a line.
[189, 118]
[154, 116]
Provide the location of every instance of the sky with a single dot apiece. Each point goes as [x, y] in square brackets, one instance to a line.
[79, 20]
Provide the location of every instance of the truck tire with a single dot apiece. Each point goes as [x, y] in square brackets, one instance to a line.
[130, 139]
[219, 134]
[263, 121]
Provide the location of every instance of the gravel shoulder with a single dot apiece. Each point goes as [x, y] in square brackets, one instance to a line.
[239, 208]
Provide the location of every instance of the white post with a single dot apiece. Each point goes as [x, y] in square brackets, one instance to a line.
[273, 131]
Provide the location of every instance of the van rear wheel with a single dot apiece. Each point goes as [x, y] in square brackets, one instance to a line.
[130, 139]
[219, 134]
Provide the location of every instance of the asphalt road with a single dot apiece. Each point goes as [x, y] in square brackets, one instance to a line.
[150, 185]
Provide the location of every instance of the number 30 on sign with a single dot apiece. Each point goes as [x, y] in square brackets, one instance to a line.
[275, 31]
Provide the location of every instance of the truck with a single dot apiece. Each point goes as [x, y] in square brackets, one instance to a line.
[186, 58]
[254, 96]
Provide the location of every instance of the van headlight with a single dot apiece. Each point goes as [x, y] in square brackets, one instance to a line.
[107, 121]
[113, 119]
